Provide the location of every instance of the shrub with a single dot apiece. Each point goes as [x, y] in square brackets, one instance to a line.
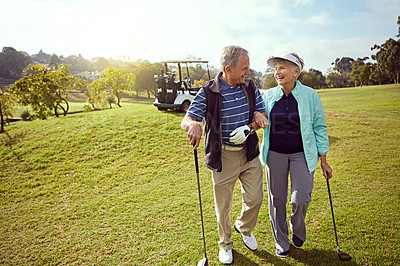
[87, 108]
[26, 116]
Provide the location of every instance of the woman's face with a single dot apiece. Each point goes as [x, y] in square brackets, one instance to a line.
[284, 74]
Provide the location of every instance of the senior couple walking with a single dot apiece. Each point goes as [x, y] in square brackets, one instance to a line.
[231, 109]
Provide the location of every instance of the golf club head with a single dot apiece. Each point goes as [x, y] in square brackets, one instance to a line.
[203, 262]
[343, 256]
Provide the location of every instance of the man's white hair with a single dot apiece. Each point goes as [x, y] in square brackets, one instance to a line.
[230, 56]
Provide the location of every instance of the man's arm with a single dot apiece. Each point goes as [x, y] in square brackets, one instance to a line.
[193, 129]
[240, 134]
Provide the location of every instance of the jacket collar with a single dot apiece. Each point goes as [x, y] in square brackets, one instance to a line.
[215, 86]
[296, 91]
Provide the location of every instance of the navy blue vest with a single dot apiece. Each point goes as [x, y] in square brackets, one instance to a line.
[212, 126]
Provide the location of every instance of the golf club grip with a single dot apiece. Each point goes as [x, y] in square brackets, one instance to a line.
[196, 161]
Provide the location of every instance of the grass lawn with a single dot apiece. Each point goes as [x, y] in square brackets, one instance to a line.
[118, 187]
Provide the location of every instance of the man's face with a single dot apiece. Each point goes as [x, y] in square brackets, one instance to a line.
[238, 73]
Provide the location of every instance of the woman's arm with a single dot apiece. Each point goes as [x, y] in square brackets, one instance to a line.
[261, 120]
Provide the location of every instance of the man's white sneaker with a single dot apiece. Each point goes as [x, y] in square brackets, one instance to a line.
[225, 256]
[249, 241]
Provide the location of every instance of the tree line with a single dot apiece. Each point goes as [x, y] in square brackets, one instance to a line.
[42, 81]
[347, 72]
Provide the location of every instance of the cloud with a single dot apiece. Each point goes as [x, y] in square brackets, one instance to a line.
[157, 30]
[383, 6]
[303, 2]
[320, 53]
[376, 15]
[323, 19]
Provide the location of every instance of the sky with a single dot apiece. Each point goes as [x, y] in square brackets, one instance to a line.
[157, 30]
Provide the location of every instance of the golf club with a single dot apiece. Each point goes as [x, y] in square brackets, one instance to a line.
[203, 262]
[342, 255]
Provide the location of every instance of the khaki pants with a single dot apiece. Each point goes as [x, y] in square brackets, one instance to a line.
[235, 166]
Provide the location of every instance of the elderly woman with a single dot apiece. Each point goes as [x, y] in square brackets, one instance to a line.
[294, 142]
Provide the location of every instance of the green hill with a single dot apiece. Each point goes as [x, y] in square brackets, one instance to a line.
[118, 187]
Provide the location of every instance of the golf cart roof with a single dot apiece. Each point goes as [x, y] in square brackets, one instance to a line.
[184, 61]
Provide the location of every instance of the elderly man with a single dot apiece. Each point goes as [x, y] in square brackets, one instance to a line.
[226, 106]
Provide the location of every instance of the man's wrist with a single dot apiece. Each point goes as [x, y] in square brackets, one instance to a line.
[252, 130]
[192, 125]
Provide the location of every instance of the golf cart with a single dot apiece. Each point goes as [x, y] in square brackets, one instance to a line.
[176, 92]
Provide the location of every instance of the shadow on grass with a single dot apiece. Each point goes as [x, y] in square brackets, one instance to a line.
[174, 112]
[332, 139]
[316, 257]
[266, 258]
[301, 256]
[9, 141]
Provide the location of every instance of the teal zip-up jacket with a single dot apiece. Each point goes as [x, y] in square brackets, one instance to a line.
[312, 123]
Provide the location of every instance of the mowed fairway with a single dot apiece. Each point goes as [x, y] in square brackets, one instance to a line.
[118, 187]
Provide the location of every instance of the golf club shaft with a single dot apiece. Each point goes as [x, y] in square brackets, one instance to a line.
[333, 216]
[201, 208]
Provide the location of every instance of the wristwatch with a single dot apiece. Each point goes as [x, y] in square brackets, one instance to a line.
[252, 130]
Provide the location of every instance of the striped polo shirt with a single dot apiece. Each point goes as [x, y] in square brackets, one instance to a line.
[234, 110]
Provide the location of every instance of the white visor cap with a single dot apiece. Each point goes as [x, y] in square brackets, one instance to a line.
[288, 57]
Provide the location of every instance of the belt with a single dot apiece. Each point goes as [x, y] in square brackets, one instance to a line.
[232, 148]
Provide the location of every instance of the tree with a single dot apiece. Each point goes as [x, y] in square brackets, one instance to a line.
[197, 72]
[388, 58]
[256, 77]
[113, 81]
[398, 23]
[379, 77]
[6, 106]
[95, 94]
[45, 90]
[198, 83]
[116, 63]
[269, 79]
[101, 64]
[144, 81]
[78, 64]
[12, 63]
[335, 79]
[361, 72]
[343, 67]
[313, 78]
